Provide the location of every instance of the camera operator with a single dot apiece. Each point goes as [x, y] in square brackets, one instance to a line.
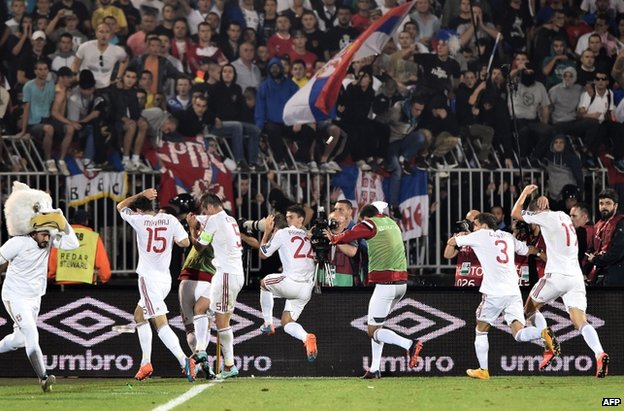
[296, 281]
[468, 272]
[530, 267]
[344, 257]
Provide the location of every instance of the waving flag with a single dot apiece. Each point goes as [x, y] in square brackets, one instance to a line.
[317, 99]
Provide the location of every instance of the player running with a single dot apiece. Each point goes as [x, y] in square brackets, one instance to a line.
[387, 269]
[563, 276]
[495, 250]
[296, 281]
[156, 233]
[221, 231]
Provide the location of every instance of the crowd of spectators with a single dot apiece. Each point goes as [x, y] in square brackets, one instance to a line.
[90, 79]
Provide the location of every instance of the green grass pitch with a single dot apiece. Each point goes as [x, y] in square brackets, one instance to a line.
[405, 393]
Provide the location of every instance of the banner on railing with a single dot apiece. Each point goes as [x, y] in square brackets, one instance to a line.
[82, 188]
[77, 337]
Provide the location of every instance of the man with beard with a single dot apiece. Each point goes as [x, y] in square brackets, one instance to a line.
[25, 284]
[608, 254]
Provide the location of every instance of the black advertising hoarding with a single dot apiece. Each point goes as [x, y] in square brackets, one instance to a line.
[77, 338]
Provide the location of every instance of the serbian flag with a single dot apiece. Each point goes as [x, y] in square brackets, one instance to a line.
[317, 99]
[414, 205]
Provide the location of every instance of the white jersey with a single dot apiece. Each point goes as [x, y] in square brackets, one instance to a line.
[27, 274]
[155, 235]
[295, 251]
[495, 251]
[561, 241]
[223, 234]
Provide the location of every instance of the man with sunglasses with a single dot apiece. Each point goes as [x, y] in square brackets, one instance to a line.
[101, 58]
[599, 104]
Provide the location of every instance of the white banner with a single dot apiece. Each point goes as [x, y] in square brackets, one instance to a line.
[82, 189]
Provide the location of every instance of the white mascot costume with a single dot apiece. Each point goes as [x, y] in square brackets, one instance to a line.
[34, 226]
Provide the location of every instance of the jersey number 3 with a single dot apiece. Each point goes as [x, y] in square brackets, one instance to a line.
[503, 258]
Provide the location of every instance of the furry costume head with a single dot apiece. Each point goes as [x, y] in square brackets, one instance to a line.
[27, 210]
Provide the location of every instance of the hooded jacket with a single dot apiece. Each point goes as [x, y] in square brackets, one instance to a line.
[564, 99]
[272, 96]
[563, 168]
[228, 100]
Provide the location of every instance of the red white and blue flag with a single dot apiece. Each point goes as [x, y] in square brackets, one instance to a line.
[317, 99]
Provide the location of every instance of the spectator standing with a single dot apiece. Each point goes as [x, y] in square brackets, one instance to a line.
[247, 72]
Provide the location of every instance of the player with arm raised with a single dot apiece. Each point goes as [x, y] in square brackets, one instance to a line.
[563, 276]
[296, 281]
[221, 230]
[387, 269]
[156, 233]
[495, 250]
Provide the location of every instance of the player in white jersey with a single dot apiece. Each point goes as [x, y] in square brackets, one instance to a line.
[296, 281]
[26, 281]
[221, 230]
[495, 250]
[563, 276]
[156, 234]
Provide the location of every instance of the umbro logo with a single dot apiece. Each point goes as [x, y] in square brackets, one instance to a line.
[558, 320]
[415, 319]
[86, 321]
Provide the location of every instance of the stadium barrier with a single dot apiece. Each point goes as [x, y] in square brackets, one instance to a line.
[78, 340]
[453, 192]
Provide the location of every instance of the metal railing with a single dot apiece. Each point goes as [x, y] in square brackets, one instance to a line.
[452, 194]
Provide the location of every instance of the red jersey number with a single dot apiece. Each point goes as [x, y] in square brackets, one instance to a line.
[302, 241]
[156, 243]
[503, 258]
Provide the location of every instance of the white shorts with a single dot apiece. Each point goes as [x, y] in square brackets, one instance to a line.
[153, 293]
[383, 300]
[188, 293]
[224, 290]
[296, 293]
[571, 289]
[492, 306]
[23, 311]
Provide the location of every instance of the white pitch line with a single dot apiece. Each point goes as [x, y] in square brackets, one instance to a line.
[185, 397]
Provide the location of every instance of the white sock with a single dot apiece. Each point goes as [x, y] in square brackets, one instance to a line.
[388, 336]
[376, 350]
[266, 302]
[136, 158]
[144, 331]
[125, 159]
[226, 336]
[33, 350]
[528, 334]
[591, 338]
[482, 346]
[539, 321]
[296, 330]
[168, 337]
[12, 341]
[201, 332]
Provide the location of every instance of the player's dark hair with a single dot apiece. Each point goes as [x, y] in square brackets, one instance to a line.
[143, 204]
[369, 211]
[297, 209]
[210, 199]
[583, 208]
[533, 205]
[488, 219]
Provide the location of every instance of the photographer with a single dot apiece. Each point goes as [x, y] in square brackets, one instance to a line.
[530, 267]
[296, 281]
[343, 257]
[468, 272]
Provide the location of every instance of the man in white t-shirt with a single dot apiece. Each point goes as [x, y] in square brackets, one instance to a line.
[156, 234]
[495, 250]
[563, 277]
[25, 284]
[296, 281]
[221, 231]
